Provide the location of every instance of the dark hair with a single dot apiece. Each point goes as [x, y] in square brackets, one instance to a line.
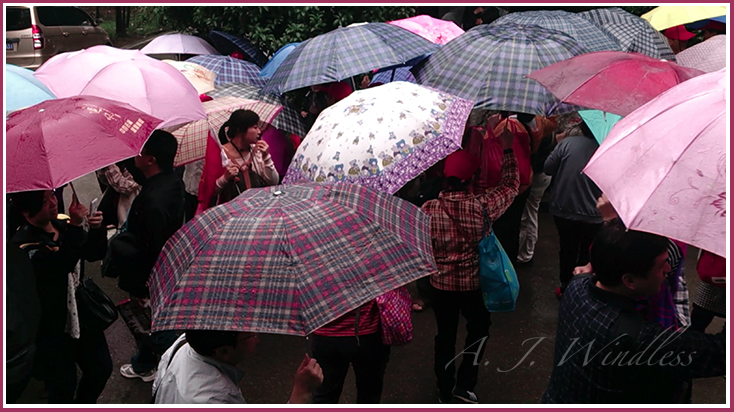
[525, 118]
[163, 146]
[454, 184]
[617, 251]
[239, 121]
[585, 129]
[27, 202]
[206, 342]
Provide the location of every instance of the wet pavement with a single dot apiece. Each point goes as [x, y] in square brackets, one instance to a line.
[516, 366]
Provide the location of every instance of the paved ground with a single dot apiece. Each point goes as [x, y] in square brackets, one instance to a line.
[409, 378]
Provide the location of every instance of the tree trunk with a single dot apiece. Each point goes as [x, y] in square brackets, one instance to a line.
[120, 26]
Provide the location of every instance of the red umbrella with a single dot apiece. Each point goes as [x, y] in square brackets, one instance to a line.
[612, 81]
[57, 141]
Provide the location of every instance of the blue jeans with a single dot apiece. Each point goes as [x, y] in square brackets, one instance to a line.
[151, 348]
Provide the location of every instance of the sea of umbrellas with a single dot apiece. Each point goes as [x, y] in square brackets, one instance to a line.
[333, 237]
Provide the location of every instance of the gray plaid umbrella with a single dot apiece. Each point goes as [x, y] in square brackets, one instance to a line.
[488, 65]
[288, 120]
[228, 43]
[633, 33]
[592, 37]
[229, 70]
[345, 52]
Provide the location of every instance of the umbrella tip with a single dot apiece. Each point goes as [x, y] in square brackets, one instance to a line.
[277, 193]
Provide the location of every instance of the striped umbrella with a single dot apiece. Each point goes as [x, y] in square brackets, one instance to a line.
[229, 43]
[488, 65]
[288, 259]
[229, 70]
[583, 31]
[708, 56]
[345, 52]
[288, 120]
[633, 33]
[192, 136]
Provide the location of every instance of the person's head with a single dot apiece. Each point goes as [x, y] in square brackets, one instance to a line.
[337, 91]
[678, 38]
[226, 346]
[459, 169]
[243, 126]
[157, 154]
[38, 207]
[571, 124]
[628, 260]
[713, 28]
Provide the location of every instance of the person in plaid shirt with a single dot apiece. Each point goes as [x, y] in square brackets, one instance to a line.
[456, 229]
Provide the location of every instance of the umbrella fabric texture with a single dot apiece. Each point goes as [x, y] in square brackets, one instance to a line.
[22, 89]
[229, 43]
[288, 259]
[346, 52]
[400, 74]
[66, 74]
[434, 30]
[632, 33]
[178, 43]
[591, 37]
[615, 82]
[701, 23]
[288, 120]
[192, 136]
[199, 76]
[56, 141]
[381, 137]
[664, 17]
[600, 123]
[230, 70]
[708, 56]
[277, 59]
[663, 167]
[152, 87]
[488, 65]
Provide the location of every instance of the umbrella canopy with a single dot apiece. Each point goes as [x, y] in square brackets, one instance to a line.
[708, 56]
[663, 167]
[22, 89]
[150, 86]
[664, 17]
[288, 259]
[381, 137]
[345, 52]
[192, 136]
[66, 74]
[288, 120]
[488, 65]
[591, 37]
[400, 74]
[275, 62]
[615, 82]
[229, 43]
[56, 141]
[632, 33]
[702, 23]
[178, 43]
[434, 30]
[600, 123]
[230, 70]
[199, 76]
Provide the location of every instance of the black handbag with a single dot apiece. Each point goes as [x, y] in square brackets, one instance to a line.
[96, 310]
[122, 255]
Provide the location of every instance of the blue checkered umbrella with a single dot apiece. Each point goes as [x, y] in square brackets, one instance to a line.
[346, 52]
[400, 74]
[633, 33]
[488, 65]
[288, 120]
[230, 70]
[228, 43]
[587, 34]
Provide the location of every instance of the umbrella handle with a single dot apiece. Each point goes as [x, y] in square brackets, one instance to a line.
[309, 352]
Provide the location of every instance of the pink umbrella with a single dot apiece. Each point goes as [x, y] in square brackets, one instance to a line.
[663, 167]
[178, 43]
[708, 56]
[151, 86]
[57, 141]
[611, 81]
[66, 74]
[435, 30]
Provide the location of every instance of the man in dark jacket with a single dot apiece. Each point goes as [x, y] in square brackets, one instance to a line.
[155, 215]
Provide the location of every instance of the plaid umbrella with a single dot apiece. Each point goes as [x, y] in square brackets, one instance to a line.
[633, 33]
[488, 65]
[288, 259]
[229, 70]
[583, 31]
[345, 52]
[708, 56]
[288, 120]
[400, 74]
[229, 43]
[192, 136]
